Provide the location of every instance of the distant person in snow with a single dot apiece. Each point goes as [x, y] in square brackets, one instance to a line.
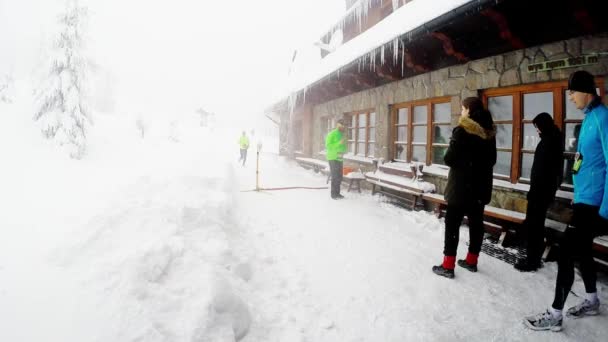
[244, 145]
[545, 178]
[590, 208]
[471, 156]
[336, 147]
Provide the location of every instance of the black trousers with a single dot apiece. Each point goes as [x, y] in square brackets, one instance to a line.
[534, 229]
[453, 220]
[243, 155]
[577, 245]
[335, 168]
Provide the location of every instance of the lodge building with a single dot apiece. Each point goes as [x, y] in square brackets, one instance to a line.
[401, 96]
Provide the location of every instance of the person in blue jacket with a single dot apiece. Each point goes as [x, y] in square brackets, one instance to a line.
[590, 207]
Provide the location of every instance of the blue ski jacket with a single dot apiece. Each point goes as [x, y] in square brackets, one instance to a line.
[590, 183]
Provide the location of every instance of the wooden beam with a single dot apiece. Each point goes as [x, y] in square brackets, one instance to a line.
[503, 28]
[448, 47]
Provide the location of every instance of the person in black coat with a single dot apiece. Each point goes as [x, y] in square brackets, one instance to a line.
[545, 179]
[471, 157]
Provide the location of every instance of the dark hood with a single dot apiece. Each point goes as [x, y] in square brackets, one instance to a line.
[544, 123]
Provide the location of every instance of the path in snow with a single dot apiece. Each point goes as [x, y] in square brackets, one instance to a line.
[360, 270]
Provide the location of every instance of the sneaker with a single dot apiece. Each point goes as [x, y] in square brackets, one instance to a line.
[544, 321]
[585, 308]
[444, 272]
[463, 263]
[523, 265]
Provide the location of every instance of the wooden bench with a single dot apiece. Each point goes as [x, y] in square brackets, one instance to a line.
[314, 164]
[354, 179]
[600, 245]
[508, 220]
[398, 187]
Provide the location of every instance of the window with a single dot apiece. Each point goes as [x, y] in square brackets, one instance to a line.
[362, 133]
[401, 133]
[421, 130]
[327, 125]
[513, 110]
[442, 117]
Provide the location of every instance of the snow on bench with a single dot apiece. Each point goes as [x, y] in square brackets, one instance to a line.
[400, 182]
[381, 182]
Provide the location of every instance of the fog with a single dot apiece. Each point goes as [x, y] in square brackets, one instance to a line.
[160, 58]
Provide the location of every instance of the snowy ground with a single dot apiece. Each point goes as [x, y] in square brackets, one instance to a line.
[154, 241]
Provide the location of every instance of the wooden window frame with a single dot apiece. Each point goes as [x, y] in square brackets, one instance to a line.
[329, 121]
[558, 88]
[430, 123]
[354, 138]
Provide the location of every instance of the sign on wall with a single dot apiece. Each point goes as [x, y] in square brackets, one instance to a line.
[564, 63]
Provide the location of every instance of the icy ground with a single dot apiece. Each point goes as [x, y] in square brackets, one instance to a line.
[156, 242]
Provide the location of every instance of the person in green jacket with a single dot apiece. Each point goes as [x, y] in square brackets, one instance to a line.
[244, 144]
[336, 147]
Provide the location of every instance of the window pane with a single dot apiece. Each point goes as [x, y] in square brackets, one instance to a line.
[441, 134]
[419, 114]
[353, 121]
[401, 152]
[352, 134]
[572, 132]
[526, 164]
[504, 135]
[361, 149]
[362, 120]
[503, 163]
[531, 138]
[372, 119]
[537, 103]
[438, 153]
[419, 154]
[419, 134]
[501, 107]
[442, 112]
[361, 136]
[370, 150]
[402, 133]
[372, 134]
[402, 116]
[351, 147]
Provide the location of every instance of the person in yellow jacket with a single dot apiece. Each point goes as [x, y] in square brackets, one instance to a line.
[244, 145]
[336, 147]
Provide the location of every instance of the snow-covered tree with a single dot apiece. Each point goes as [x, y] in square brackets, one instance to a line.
[63, 112]
[6, 89]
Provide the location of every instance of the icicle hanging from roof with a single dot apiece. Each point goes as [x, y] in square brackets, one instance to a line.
[395, 5]
[395, 50]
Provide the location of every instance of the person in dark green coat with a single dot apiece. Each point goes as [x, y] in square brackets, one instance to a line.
[336, 147]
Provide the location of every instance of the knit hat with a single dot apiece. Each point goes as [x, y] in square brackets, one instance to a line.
[582, 81]
[341, 122]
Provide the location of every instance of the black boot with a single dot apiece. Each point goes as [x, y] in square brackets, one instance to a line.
[463, 263]
[524, 265]
[444, 272]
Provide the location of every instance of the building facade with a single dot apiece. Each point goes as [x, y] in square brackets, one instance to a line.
[410, 119]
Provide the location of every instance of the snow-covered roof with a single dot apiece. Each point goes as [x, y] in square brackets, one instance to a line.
[364, 47]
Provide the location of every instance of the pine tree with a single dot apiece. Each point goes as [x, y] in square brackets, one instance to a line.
[6, 89]
[63, 112]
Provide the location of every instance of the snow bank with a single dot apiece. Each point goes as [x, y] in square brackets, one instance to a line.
[134, 241]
